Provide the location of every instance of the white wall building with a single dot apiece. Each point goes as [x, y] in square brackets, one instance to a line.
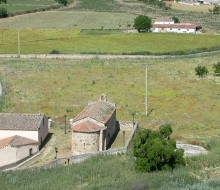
[16, 148]
[32, 126]
[168, 25]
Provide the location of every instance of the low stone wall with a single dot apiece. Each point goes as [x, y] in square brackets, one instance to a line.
[82, 157]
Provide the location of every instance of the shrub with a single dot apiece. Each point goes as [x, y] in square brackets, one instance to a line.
[155, 150]
[201, 71]
[216, 9]
[176, 20]
[55, 51]
[3, 12]
[62, 2]
[217, 69]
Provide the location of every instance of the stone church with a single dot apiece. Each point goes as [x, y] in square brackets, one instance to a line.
[94, 127]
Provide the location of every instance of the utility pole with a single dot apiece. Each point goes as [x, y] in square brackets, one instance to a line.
[146, 103]
[18, 43]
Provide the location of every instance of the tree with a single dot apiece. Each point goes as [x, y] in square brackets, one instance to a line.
[216, 9]
[3, 12]
[176, 20]
[142, 23]
[155, 150]
[201, 71]
[3, 1]
[166, 130]
[216, 68]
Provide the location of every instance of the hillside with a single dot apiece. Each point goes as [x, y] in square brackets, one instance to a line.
[72, 16]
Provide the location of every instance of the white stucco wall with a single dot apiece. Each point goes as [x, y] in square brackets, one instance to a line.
[7, 155]
[28, 134]
[174, 30]
[24, 151]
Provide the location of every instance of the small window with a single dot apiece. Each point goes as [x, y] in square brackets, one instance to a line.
[30, 151]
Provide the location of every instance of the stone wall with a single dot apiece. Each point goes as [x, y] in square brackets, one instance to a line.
[85, 142]
[82, 157]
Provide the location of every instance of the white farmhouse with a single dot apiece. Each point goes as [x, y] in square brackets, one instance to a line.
[168, 25]
[32, 126]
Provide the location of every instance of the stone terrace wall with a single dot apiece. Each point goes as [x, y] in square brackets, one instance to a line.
[82, 157]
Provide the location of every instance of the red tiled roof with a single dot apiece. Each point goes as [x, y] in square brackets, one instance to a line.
[177, 26]
[16, 141]
[100, 111]
[86, 127]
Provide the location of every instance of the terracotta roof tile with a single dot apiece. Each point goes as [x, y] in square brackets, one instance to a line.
[16, 141]
[177, 26]
[27, 122]
[86, 127]
[100, 111]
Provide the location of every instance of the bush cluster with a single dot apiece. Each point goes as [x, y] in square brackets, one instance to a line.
[160, 3]
[155, 150]
[202, 71]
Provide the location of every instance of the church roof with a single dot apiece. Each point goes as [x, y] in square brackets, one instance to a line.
[86, 127]
[16, 141]
[100, 111]
[26, 122]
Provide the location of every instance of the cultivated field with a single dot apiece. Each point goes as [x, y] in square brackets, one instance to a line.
[90, 41]
[70, 20]
[195, 8]
[118, 14]
[23, 5]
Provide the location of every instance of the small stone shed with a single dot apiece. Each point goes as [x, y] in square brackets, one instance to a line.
[32, 126]
[16, 148]
[94, 128]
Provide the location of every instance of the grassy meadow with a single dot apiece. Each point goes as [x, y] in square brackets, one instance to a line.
[117, 172]
[176, 95]
[76, 42]
[23, 5]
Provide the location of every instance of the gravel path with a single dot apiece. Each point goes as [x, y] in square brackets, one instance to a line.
[100, 56]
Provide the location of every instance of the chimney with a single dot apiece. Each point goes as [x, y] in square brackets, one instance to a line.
[103, 97]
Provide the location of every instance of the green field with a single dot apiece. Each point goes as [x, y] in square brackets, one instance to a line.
[74, 42]
[176, 95]
[23, 5]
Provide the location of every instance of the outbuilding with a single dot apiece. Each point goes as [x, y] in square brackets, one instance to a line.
[16, 148]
